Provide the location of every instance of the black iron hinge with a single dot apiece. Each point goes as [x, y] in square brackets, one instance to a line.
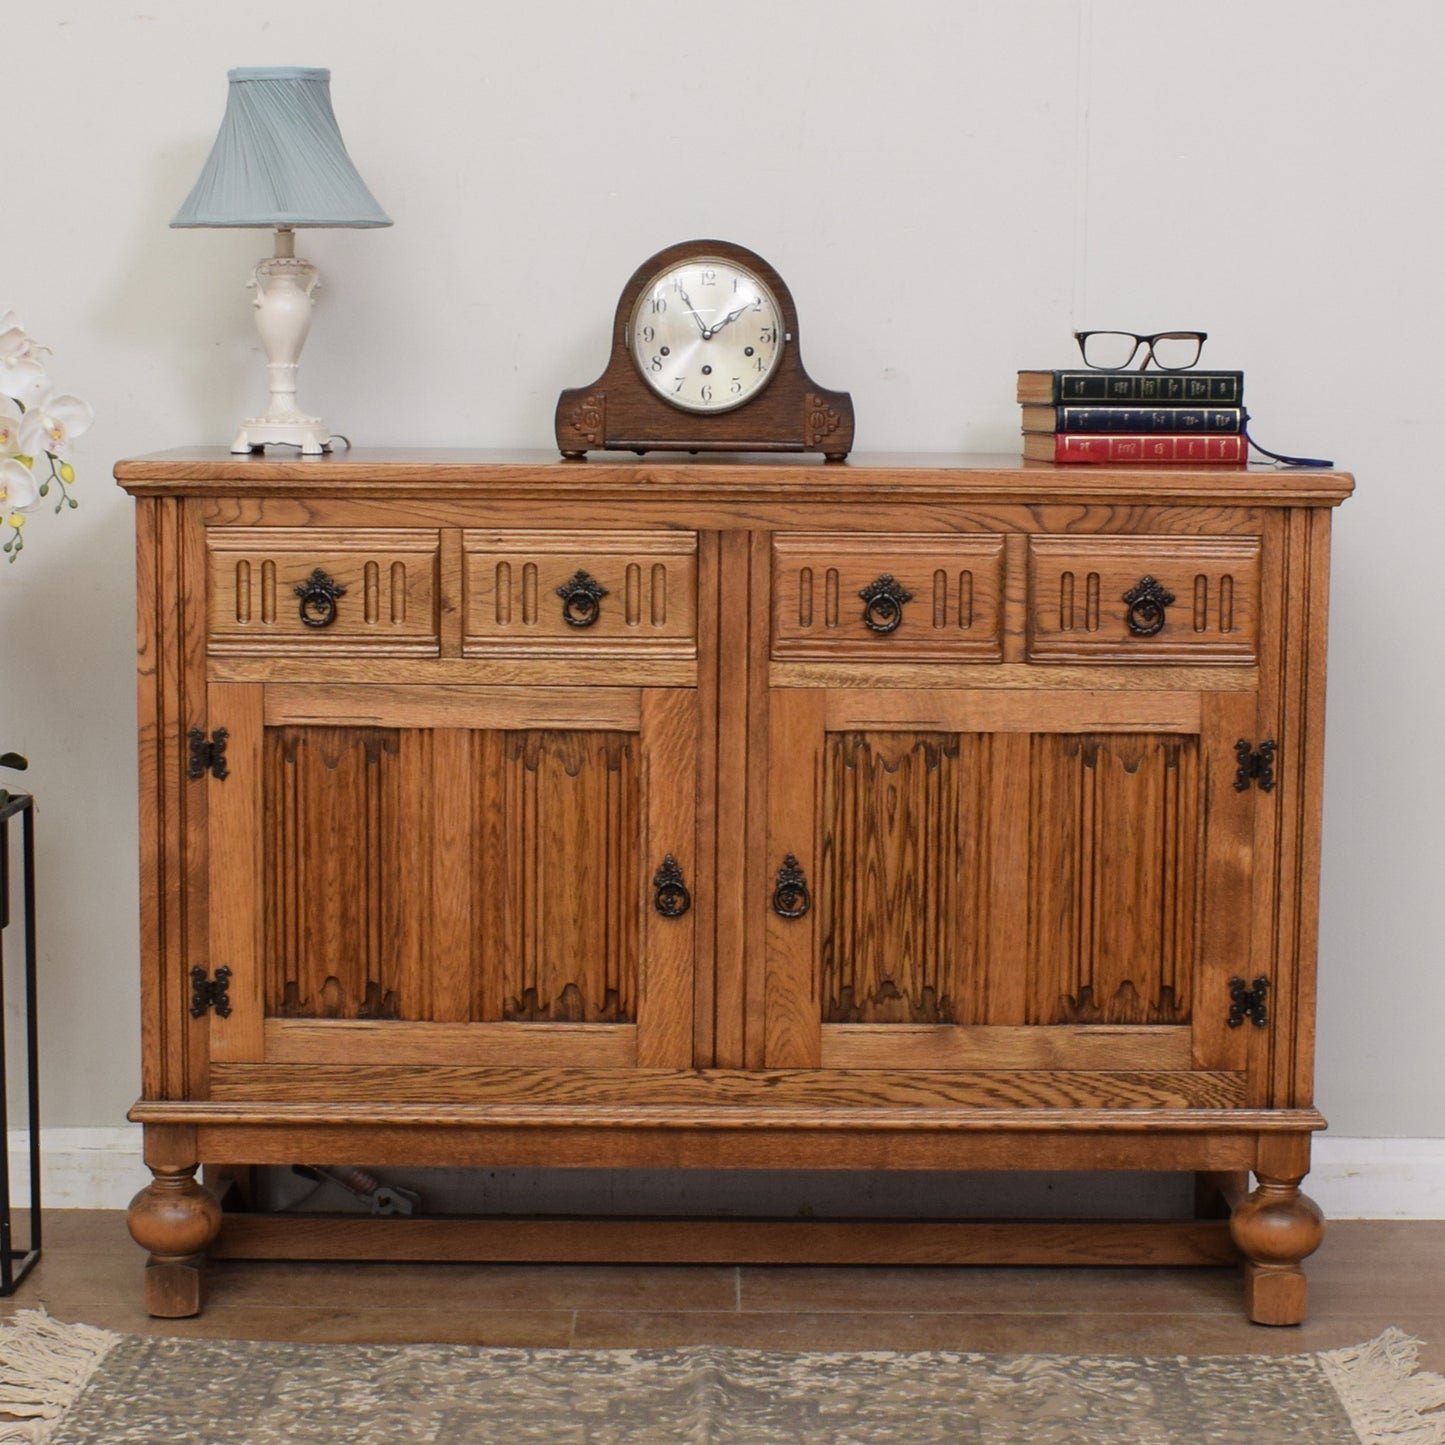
[208, 755]
[210, 993]
[1248, 1003]
[1256, 765]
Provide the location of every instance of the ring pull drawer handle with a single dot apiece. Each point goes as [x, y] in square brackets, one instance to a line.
[318, 594]
[883, 603]
[791, 898]
[1147, 600]
[581, 595]
[670, 896]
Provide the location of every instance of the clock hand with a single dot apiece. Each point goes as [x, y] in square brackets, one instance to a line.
[728, 319]
[692, 311]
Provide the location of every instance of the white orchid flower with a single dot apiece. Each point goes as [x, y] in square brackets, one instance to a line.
[9, 433]
[18, 489]
[22, 377]
[52, 423]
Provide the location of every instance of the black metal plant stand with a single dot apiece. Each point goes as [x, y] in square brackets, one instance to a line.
[15, 1263]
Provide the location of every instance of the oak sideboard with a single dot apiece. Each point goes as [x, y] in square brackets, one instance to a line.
[910, 813]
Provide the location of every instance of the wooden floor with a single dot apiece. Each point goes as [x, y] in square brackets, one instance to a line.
[1367, 1275]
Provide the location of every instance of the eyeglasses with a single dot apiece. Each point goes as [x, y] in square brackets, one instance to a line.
[1114, 350]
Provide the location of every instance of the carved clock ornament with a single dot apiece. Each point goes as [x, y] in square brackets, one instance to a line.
[705, 358]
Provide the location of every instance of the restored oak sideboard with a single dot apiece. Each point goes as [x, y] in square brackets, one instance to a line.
[909, 813]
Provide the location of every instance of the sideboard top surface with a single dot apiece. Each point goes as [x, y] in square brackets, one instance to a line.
[864, 477]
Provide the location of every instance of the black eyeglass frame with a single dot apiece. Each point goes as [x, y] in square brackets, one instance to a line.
[1147, 342]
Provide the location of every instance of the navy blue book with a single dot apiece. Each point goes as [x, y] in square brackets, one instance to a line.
[1134, 420]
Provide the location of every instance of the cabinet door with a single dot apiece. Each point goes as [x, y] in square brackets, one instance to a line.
[1003, 880]
[433, 875]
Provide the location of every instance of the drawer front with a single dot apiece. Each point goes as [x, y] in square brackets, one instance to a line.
[580, 594]
[905, 597]
[284, 591]
[1143, 599]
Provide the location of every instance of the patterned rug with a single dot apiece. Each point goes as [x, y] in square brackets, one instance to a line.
[68, 1384]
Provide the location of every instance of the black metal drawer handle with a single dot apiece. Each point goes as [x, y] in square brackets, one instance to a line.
[883, 603]
[1147, 601]
[791, 898]
[580, 596]
[670, 896]
[318, 594]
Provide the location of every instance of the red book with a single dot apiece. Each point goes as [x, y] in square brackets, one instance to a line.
[1112, 449]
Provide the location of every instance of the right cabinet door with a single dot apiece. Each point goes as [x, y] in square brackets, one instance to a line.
[1045, 889]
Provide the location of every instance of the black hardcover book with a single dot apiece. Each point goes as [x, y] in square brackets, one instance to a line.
[1131, 388]
[1133, 420]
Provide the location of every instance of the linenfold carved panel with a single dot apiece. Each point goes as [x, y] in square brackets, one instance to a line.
[570, 808]
[921, 868]
[338, 874]
[451, 876]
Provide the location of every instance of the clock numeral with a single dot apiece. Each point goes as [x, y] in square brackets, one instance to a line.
[706, 393]
[709, 276]
[677, 390]
[656, 363]
[649, 335]
[658, 304]
[737, 386]
[761, 364]
[768, 335]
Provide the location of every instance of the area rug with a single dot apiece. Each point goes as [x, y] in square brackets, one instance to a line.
[75, 1385]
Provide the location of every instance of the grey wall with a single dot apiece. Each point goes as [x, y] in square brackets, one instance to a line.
[949, 186]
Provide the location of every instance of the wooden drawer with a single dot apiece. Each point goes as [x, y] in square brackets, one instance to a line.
[580, 594]
[1143, 599]
[384, 585]
[835, 595]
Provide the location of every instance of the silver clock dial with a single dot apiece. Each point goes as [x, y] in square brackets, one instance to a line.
[706, 334]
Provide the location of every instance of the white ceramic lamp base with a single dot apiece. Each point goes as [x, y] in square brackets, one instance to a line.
[284, 284]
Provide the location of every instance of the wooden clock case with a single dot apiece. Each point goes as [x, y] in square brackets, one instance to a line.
[620, 412]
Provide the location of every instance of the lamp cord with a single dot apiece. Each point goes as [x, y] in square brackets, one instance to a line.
[1279, 457]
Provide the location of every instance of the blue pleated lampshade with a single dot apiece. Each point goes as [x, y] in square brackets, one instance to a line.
[279, 159]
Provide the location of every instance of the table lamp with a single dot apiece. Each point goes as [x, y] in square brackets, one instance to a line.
[279, 161]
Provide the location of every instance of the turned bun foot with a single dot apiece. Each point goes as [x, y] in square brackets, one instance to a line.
[175, 1218]
[1276, 1228]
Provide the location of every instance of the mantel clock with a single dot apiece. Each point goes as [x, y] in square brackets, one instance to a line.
[705, 357]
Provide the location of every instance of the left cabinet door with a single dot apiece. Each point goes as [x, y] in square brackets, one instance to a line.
[460, 875]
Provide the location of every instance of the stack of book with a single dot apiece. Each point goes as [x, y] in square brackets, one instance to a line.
[1134, 416]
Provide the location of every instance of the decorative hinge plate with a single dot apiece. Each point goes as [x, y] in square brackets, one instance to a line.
[1248, 1003]
[1255, 765]
[208, 755]
[208, 993]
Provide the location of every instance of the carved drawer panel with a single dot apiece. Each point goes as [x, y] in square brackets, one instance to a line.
[891, 596]
[1143, 599]
[577, 594]
[277, 591]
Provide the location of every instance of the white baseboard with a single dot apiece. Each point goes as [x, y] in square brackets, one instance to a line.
[1351, 1178]
[1378, 1178]
[80, 1168]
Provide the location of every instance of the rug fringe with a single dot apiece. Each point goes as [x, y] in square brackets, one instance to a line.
[1390, 1400]
[44, 1365]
